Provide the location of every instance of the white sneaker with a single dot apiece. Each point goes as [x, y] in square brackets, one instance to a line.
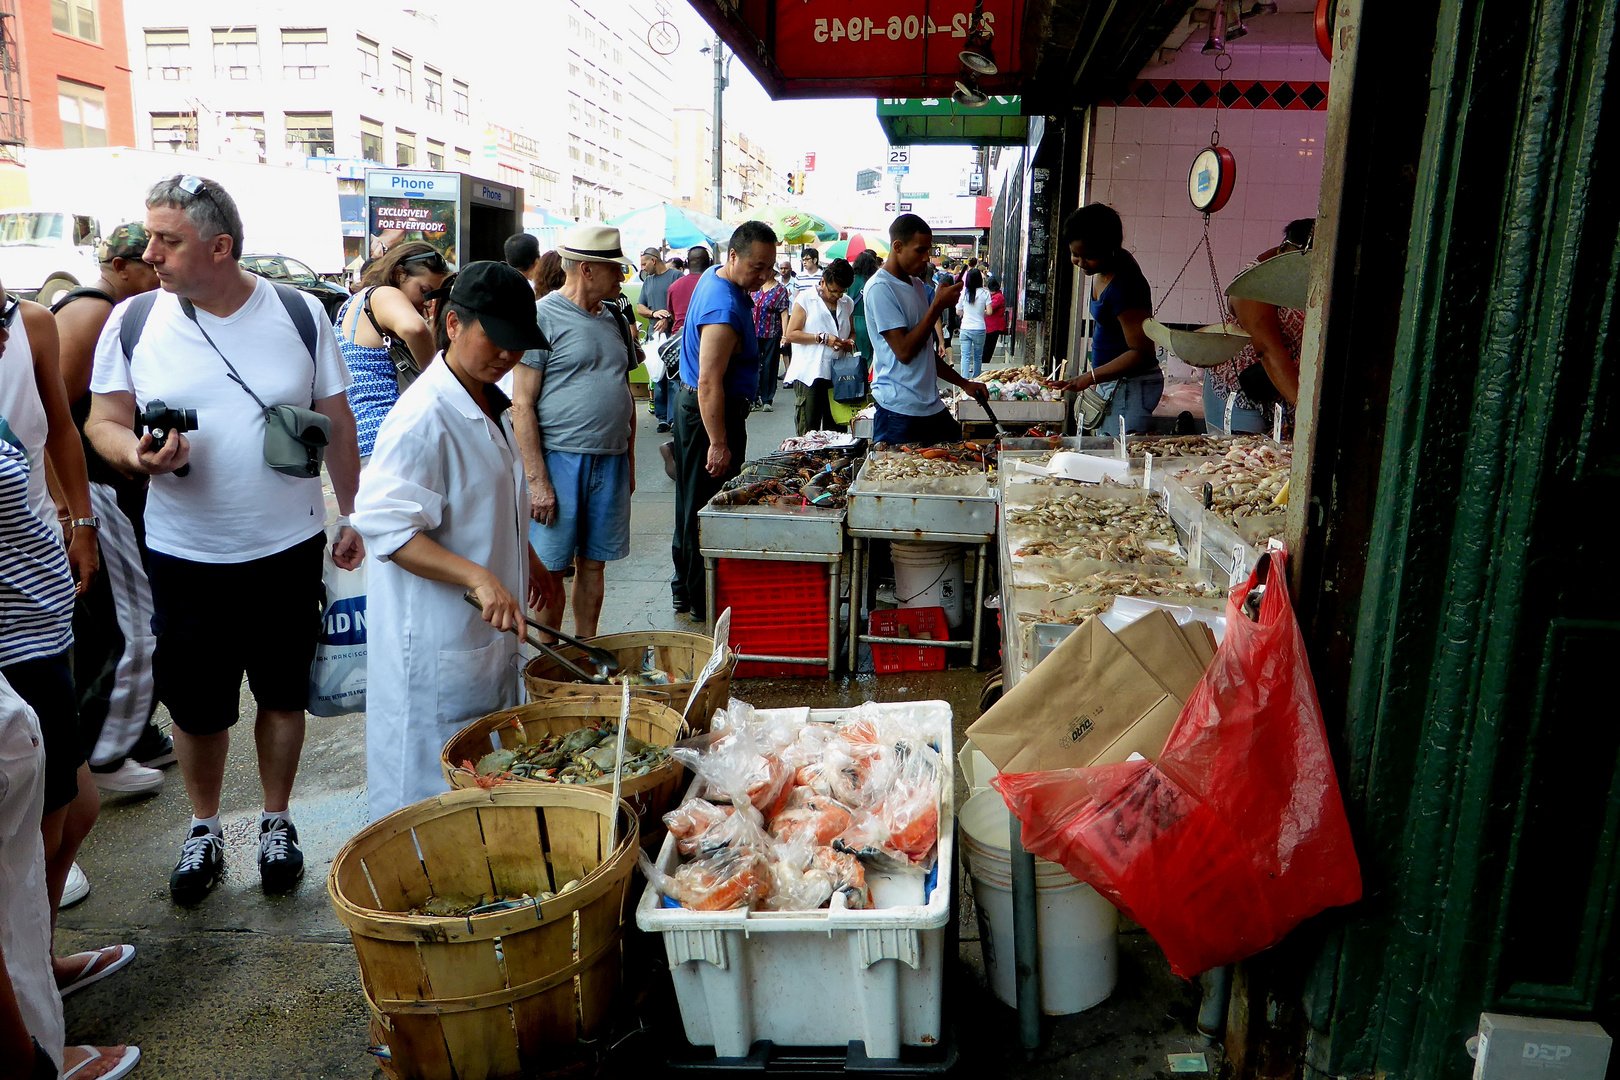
[130, 777]
[77, 888]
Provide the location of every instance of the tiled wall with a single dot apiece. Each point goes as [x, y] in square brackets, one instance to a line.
[1142, 153]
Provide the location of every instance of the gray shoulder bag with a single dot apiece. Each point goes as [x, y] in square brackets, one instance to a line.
[295, 439]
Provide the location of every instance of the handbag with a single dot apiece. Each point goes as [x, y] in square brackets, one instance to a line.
[295, 439]
[1092, 406]
[849, 378]
[669, 353]
[406, 368]
[1256, 384]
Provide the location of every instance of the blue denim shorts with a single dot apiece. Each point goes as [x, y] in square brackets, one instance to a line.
[593, 510]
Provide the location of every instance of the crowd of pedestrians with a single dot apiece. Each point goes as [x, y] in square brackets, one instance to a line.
[163, 435]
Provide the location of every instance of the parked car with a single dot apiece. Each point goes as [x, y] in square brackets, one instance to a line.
[300, 277]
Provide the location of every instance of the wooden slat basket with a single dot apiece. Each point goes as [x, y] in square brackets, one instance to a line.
[650, 795]
[681, 655]
[487, 997]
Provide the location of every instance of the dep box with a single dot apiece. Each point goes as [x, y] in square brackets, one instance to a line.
[1531, 1048]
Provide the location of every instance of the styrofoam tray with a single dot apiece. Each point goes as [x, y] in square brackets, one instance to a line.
[815, 978]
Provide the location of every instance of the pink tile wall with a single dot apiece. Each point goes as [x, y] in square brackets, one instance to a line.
[1141, 157]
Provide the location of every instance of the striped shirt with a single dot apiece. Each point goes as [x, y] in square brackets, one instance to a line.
[36, 587]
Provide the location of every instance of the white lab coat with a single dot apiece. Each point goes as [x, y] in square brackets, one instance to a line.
[442, 468]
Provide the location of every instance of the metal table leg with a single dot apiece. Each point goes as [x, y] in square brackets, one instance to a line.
[711, 567]
[978, 605]
[835, 575]
[856, 588]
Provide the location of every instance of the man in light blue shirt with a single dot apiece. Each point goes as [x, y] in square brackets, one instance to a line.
[906, 367]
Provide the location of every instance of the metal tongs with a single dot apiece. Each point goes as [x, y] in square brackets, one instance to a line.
[1001, 429]
[606, 663]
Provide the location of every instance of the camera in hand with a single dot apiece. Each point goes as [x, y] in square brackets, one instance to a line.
[161, 421]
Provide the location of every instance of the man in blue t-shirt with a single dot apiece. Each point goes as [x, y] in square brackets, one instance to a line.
[719, 379]
[905, 360]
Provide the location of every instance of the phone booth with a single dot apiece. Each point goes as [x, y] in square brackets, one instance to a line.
[466, 217]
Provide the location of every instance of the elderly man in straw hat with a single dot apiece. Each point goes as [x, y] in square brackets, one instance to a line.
[575, 424]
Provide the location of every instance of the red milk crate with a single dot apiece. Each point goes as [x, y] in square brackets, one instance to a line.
[777, 608]
[920, 622]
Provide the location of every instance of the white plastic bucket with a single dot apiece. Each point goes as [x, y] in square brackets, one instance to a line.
[1077, 929]
[930, 574]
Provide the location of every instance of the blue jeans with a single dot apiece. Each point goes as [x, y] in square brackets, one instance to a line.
[593, 510]
[768, 349]
[1134, 399]
[663, 401]
[972, 352]
[1250, 421]
[897, 429]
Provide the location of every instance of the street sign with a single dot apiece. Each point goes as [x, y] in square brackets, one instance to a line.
[810, 161]
[866, 180]
[914, 194]
[899, 170]
[899, 155]
[897, 208]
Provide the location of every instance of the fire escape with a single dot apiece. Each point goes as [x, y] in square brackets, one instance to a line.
[11, 96]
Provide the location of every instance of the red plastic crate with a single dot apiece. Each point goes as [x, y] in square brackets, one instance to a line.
[778, 608]
[920, 622]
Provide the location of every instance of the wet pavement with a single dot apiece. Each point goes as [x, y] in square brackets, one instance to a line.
[249, 986]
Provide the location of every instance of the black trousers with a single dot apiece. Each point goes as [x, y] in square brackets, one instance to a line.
[694, 487]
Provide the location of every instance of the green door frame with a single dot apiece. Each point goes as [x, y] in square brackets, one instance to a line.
[1459, 649]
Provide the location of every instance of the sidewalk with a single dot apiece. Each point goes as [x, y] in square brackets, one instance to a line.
[266, 988]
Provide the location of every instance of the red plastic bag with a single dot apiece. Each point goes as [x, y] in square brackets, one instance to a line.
[1237, 834]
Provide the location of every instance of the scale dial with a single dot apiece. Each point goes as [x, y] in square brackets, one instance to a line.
[1211, 179]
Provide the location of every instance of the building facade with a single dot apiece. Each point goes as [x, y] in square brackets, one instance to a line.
[749, 178]
[281, 83]
[66, 79]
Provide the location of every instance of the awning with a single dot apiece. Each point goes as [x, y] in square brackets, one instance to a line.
[913, 121]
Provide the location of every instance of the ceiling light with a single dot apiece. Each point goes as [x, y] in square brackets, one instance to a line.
[968, 94]
[976, 55]
[1217, 31]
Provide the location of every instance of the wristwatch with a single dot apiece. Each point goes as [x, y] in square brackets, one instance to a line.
[91, 522]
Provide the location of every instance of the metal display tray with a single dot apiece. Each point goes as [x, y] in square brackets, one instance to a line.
[771, 530]
[1011, 412]
[902, 515]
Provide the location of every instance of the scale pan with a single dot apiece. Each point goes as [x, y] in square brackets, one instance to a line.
[1284, 280]
[1209, 347]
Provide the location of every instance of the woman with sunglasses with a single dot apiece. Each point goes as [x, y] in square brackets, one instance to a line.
[387, 316]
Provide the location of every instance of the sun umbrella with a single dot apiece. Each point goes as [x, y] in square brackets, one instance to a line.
[849, 249]
[661, 224]
[795, 226]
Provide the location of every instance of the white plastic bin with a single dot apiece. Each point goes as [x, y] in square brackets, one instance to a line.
[815, 978]
[1077, 929]
[930, 574]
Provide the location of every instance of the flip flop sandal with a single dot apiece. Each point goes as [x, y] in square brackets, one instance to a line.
[132, 1056]
[88, 975]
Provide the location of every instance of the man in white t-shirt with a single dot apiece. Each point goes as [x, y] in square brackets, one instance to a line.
[234, 546]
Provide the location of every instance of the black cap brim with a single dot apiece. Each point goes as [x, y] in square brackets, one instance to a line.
[512, 335]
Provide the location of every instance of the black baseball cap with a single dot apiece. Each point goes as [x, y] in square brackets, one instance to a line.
[503, 300]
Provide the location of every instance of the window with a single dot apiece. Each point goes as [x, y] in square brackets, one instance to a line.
[371, 140]
[404, 148]
[573, 71]
[174, 131]
[370, 63]
[510, 174]
[543, 184]
[168, 55]
[462, 102]
[84, 114]
[236, 52]
[76, 18]
[402, 77]
[435, 152]
[590, 160]
[463, 157]
[310, 134]
[303, 53]
[434, 85]
[245, 133]
[618, 98]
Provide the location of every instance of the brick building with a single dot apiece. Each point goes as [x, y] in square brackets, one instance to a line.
[71, 86]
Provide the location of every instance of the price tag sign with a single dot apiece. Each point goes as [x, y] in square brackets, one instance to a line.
[1276, 425]
[1240, 572]
[1196, 558]
[1122, 454]
[1147, 471]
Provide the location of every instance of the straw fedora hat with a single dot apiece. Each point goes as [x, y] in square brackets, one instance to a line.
[592, 243]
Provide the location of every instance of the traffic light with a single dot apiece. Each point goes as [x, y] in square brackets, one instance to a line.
[791, 179]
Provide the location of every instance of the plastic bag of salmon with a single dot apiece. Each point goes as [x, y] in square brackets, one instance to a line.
[1237, 833]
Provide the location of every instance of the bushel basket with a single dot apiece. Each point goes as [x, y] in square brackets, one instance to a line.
[681, 655]
[649, 795]
[490, 996]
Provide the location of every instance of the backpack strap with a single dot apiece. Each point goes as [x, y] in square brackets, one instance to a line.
[298, 311]
[136, 310]
[68, 297]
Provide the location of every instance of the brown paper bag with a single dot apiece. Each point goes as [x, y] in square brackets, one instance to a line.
[1077, 707]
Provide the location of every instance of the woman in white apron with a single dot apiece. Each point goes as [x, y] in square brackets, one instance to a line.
[444, 510]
